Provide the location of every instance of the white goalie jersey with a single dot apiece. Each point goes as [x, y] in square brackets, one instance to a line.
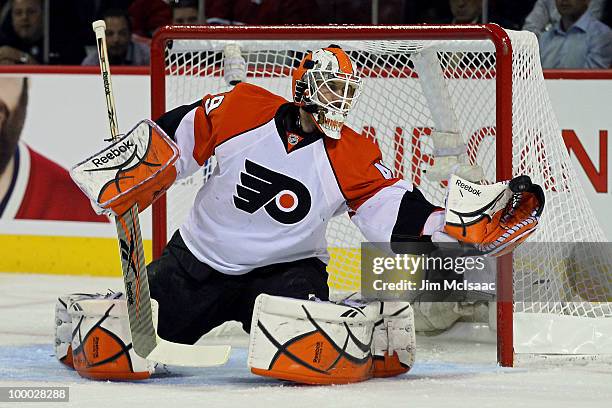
[274, 188]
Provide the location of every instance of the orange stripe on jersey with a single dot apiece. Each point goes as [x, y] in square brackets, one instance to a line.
[204, 142]
[353, 158]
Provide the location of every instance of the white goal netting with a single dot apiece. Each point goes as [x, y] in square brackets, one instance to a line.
[410, 88]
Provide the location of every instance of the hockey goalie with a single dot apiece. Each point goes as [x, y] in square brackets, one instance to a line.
[253, 248]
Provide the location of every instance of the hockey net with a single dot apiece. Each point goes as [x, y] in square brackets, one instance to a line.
[427, 78]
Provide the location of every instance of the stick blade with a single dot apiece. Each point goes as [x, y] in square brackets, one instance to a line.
[189, 356]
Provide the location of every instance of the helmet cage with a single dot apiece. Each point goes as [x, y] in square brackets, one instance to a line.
[335, 93]
[332, 90]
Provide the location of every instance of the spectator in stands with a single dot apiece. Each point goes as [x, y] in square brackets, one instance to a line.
[265, 12]
[32, 186]
[459, 12]
[185, 12]
[22, 40]
[22, 37]
[466, 11]
[470, 12]
[578, 40]
[148, 15]
[92, 10]
[122, 50]
[545, 15]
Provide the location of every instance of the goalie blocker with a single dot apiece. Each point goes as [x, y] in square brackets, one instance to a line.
[135, 169]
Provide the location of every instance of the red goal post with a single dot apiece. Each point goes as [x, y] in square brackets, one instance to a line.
[462, 45]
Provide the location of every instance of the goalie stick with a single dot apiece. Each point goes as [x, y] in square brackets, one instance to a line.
[145, 340]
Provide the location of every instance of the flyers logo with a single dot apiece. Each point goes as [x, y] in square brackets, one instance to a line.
[284, 198]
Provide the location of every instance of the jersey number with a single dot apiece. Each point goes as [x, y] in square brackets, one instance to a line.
[213, 103]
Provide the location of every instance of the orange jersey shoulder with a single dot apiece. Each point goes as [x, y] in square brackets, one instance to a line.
[358, 166]
[243, 108]
[222, 116]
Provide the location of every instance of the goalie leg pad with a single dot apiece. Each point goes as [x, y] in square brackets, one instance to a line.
[394, 342]
[102, 343]
[63, 331]
[311, 342]
[63, 325]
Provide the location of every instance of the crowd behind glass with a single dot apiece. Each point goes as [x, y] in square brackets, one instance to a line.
[571, 33]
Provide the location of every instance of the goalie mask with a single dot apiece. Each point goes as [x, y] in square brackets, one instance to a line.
[325, 85]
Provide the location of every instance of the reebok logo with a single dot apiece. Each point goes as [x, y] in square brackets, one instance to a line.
[127, 258]
[113, 153]
[285, 199]
[106, 83]
[96, 346]
[468, 188]
[317, 352]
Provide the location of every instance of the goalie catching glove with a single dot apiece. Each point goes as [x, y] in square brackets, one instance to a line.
[136, 169]
[494, 218]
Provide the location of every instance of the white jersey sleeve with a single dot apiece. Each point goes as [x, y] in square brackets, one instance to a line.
[384, 208]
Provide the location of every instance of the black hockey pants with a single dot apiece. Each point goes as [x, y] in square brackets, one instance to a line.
[195, 298]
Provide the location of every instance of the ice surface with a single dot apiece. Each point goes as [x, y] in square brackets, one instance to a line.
[445, 375]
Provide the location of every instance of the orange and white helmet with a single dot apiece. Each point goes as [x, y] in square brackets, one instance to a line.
[325, 84]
